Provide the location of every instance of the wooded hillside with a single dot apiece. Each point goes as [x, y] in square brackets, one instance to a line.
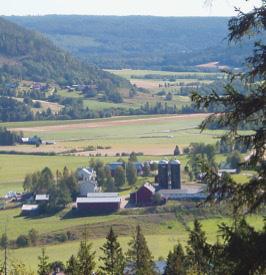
[167, 43]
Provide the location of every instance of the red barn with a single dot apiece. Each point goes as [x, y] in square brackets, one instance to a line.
[98, 204]
[143, 196]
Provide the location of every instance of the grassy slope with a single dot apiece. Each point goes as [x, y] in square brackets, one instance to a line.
[159, 244]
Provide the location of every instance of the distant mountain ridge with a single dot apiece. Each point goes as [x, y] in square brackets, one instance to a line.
[141, 41]
[26, 54]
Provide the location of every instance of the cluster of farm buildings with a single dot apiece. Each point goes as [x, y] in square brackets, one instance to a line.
[91, 198]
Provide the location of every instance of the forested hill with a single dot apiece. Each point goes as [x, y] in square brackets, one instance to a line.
[141, 41]
[26, 54]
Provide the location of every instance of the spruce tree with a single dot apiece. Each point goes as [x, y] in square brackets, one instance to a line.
[175, 262]
[72, 267]
[248, 109]
[139, 258]
[43, 266]
[198, 250]
[240, 109]
[86, 257]
[113, 259]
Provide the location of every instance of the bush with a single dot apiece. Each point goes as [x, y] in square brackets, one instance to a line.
[176, 151]
[22, 241]
[33, 236]
[61, 237]
[70, 236]
[57, 266]
[37, 105]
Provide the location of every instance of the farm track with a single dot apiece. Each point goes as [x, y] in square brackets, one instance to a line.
[104, 123]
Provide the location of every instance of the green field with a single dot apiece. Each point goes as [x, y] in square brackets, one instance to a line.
[129, 134]
[152, 135]
[152, 86]
[159, 243]
[127, 73]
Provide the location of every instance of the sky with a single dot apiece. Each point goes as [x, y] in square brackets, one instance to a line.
[125, 7]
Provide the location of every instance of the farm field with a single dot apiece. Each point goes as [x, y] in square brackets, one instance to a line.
[156, 85]
[128, 73]
[154, 135]
[165, 240]
[165, 81]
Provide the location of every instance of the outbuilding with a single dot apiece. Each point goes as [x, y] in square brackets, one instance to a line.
[98, 204]
[29, 209]
[143, 196]
[40, 198]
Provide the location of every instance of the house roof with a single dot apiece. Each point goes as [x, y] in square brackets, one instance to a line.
[102, 195]
[29, 207]
[229, 171]
[42, 197]
[149, 187]
[89, 172]
[114, 165]
[98, 200]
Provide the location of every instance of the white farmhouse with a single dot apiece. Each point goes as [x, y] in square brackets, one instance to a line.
[87, 181]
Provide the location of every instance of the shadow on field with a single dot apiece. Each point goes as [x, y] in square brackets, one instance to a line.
[74, 213]
[37, 215]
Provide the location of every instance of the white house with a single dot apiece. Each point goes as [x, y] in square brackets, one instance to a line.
[87, 181]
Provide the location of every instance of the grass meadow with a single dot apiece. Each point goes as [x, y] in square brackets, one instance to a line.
[159, 242]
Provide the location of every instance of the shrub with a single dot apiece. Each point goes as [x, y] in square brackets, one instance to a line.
[61, 237]
[22, 241]
[33, 236]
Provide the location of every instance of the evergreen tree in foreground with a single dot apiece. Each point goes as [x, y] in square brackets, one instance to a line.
[198, 250]
[139, 258]
[43, 266]
[72, 267]
[113, 259]
[176, 262]
[86, 260]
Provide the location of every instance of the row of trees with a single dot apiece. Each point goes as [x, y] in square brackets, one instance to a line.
[62, 187]
[200, 153]
[9, 138]
[126, 173]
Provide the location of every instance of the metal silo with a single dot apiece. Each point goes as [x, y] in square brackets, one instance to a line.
[163, 177]
[175, 173]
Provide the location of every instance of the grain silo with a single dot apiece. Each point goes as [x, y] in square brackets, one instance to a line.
[163, 177]
[175, 174]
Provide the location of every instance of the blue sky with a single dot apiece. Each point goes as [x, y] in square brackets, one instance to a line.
[124, 7]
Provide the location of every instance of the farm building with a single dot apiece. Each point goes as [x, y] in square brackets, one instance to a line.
[35, 140]
[87, 181]
[29, 209]
[104, 203]
[103, 195]
[193, 193]
[144, 195]
[228, 171]
[169, 174]
[42, 198]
